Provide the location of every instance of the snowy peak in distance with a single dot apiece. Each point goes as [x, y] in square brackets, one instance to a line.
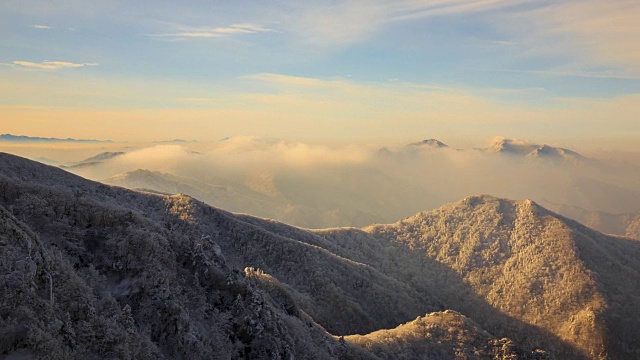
[553, 153]
[414, 148]
[533, 151]
[430, 143]
[512, 147]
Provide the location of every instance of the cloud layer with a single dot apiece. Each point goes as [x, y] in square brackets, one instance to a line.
[339, 184]
[50, 65]
[185, 32]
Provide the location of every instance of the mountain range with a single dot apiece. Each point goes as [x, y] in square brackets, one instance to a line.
[94, 271]
[397, 183]
[32, 139]
[535, 151]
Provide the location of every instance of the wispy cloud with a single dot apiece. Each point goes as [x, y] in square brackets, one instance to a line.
[576, 73]
[289, 80]
[588, 38]
[589, 33]
[48, 65]
[184, 32]
[355, 101]
[44, 27]
[419, 9]
[603, 32]
[339, 23]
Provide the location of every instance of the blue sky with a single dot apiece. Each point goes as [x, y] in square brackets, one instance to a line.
[559, 70]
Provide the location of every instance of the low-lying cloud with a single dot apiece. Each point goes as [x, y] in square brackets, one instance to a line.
[321, 185]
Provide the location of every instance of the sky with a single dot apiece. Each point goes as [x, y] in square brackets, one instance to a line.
[549, 71]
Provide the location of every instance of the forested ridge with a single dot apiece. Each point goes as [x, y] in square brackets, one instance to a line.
[93, 271]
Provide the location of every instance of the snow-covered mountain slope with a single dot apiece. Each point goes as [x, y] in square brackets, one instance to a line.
[166, 270]
[92, 271]
[536, 266]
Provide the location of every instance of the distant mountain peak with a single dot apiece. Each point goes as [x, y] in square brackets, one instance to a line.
[173, 141]
[103, 156]
[434, 143]
[554, 153]
[94, 160]
[533, 151]
[142, 172]
[512, 146]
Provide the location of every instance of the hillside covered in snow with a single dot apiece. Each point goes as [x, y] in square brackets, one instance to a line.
[94, 271]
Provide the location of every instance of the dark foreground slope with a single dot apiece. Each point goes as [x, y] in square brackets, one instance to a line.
[92, 272]
[89, 271]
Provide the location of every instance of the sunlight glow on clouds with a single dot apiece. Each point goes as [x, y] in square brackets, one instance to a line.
[330, 69]
[294, 107]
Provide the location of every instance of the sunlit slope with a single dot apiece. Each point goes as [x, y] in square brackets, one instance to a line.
[440, 335]
[535, 266]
